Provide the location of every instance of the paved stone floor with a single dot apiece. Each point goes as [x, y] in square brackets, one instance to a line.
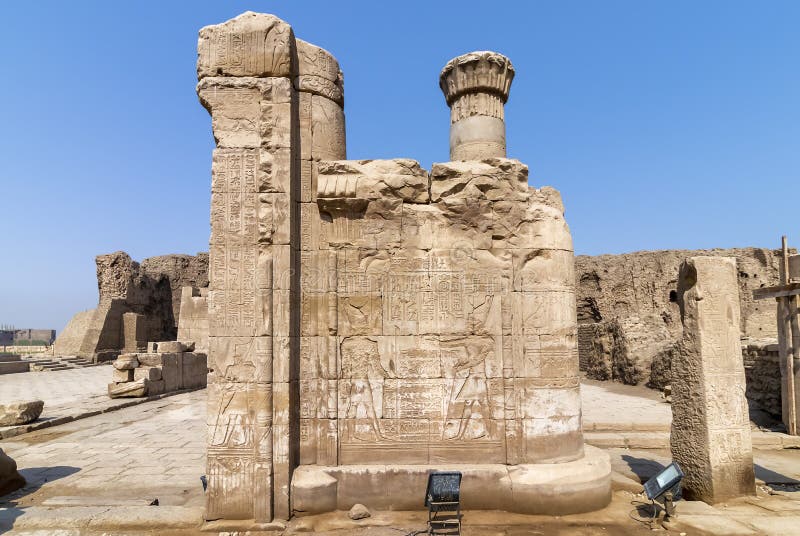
[60, 388]
[98, 475]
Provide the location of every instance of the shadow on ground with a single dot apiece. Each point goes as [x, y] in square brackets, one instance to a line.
[771, 477]
[35, 478]
[643, 468]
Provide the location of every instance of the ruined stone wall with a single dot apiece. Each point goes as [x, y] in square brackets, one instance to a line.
[628, 311]
[763, 373]
[644, 284]
[151, 289]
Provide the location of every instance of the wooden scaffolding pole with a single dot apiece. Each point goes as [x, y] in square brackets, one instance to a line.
[788, 341]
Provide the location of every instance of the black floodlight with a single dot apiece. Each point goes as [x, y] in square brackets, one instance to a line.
[443, 487]
[663, 481]
[443, 499]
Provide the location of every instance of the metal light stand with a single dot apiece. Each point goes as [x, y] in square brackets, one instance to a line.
[668, 506]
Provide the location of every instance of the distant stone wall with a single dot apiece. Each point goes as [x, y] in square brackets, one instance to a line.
[763, 373]
[630, 302]
[70, 339]
[151, 290]
[644, 285]
[22, 337]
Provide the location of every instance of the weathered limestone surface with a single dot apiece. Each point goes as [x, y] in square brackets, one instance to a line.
[134, 332]
[193, 319]
[10, 479]
[14, 413]
[710, 427]
[763, 372]
[631, 300]
[622, 349]
[454, 318]
[69, 341]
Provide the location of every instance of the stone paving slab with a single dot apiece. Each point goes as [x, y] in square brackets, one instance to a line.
[614, 407]
[154, 450]
[68, 395]
[98, 474]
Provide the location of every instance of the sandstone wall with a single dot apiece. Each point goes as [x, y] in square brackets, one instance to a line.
[643, 284]
[69, 341]
[628, 310]
[151, 289]
[763, 372]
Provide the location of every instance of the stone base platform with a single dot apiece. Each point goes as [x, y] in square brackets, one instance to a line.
[575, 487]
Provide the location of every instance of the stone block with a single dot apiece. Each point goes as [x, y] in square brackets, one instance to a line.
[147, 373]
[252, 44]
[172, 371]
[136, 389]
[150, 359]
[10, 479]
[23, 412]
[167, 347]
[121, 376]
[14, 367]
[134, 332]
[126, 362]
[194, 370]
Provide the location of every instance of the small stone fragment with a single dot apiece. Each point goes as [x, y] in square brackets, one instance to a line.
[126, 362]
[358, 511]
[14, 413]
[147, 373]
[121, 376]
[168, 347]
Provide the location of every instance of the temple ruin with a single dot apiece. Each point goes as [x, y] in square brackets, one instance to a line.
[369, 320]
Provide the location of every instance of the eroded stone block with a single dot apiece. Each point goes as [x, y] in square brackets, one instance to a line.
[710, 427]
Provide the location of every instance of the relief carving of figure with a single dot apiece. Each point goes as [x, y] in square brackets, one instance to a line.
[468, 409]
[233, 427]
[361, 363]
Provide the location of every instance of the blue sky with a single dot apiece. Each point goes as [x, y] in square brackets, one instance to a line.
[664, 124]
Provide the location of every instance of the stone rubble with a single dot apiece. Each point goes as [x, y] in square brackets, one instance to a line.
[168, 366]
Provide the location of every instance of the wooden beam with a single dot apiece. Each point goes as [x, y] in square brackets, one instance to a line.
[786, 353]
[778, 291]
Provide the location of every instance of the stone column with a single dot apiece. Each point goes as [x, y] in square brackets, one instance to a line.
[320, 94]
[476, 87]
[245, 67]
[710, 425]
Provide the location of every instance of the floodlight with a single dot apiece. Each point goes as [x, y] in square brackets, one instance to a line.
[661, 486]
[443, 499]
[663, 482]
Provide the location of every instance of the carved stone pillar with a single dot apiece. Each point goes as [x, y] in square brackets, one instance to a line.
[476, 87]
[245, 68]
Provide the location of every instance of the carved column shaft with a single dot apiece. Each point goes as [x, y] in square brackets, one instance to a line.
[476, 87]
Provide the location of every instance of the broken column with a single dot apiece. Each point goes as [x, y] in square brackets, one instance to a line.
[710, 436]
[476, 87]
